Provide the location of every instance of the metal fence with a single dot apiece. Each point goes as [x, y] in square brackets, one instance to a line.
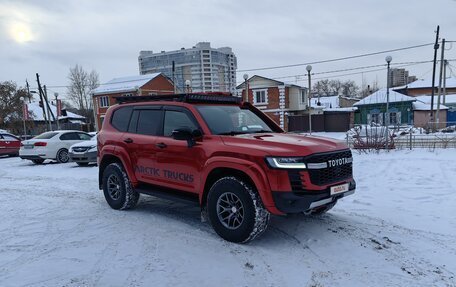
[409, 141]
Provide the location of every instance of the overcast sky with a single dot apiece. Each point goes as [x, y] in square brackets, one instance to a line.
[49, 37]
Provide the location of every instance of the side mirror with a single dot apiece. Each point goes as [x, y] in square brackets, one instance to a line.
[187, 134]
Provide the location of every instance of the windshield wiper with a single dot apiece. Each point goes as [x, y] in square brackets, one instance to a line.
[231, 133]
[260, 131]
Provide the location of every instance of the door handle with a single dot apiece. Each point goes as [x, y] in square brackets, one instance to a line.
[161, 145]
[128, 140]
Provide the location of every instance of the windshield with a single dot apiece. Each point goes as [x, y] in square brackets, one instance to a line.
[46, 136]
[231, 120]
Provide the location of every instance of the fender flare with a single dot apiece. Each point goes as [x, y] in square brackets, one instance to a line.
[256, 174]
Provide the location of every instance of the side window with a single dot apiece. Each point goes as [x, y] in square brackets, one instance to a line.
[133, 122]
[149, 122]
[84, 137]
[175, 120]
[121, 118]
[69, 137]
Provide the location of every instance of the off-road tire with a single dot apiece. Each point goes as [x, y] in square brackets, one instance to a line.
[82, 163]
[323, 209]
[38, 161]
[60, 156]
[127, 197]
[255, 216]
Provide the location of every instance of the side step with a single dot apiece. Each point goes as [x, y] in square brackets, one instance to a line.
[169, 194]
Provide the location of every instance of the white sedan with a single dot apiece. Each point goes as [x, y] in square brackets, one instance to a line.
[51, 145]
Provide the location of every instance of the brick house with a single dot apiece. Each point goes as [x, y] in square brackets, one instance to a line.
[150, 84]
[275, 98]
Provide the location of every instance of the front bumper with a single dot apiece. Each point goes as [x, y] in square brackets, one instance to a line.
[85, 157]
[305, 200]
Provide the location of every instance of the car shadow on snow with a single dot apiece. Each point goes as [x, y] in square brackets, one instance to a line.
[282, 231]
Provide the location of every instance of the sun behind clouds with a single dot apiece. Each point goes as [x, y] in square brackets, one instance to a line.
[21, 33]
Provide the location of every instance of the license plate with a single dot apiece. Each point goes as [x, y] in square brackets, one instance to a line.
[28, 146]
[339, 188]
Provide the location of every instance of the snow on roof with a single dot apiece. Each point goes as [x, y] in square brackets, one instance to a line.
[379, 97]
[325, 102]
[347, 109]
[37, 111]
[427, 83]
[420, 106]
[449, 99]
[124, 84]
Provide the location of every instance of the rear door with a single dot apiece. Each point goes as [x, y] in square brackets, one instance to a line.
[139, 141]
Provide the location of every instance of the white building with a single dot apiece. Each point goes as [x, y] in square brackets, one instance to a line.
[208, 69]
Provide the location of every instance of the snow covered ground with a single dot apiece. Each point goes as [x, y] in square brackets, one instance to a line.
[399, 229]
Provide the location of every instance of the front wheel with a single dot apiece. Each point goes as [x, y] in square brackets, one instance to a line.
[236, 211]
[117, 188]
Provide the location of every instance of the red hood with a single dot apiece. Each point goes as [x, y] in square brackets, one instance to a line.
[283, 144]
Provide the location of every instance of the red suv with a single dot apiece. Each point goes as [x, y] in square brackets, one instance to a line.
[225, 155]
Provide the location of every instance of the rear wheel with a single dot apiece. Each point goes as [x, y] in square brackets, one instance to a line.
[38, 161]
[236, 211]
[62, 156]
[117, 188]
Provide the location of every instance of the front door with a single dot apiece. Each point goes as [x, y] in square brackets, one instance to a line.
[179, 164]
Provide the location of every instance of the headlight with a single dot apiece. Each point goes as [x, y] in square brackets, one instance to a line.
[92, 146]
[286, 162]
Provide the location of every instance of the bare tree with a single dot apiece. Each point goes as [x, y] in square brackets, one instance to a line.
[349, 88]
[335, 87]
[10, 103]
[81, 83]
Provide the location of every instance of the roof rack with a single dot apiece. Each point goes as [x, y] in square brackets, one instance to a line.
[220, 98]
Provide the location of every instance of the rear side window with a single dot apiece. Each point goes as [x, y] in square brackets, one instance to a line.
[149, 122]
[121, 118]
[69, 137]
[46, 136]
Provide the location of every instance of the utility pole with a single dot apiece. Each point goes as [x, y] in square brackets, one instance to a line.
[388, 60]
[47, 107]
[445, 63]
[436, 47]
[58, 109]
[40, 92]
[440, 82]
[309, 68]
[28, 91]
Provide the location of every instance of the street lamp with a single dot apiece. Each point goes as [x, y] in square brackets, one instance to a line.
[387, 115]
[24, 113]
[246, 87]
[309, 68]
[187, 85]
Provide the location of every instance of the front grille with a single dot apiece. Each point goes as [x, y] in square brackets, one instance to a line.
[333, 174]
[80, 149]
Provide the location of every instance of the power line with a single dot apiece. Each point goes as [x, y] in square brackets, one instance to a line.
[336, 59]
